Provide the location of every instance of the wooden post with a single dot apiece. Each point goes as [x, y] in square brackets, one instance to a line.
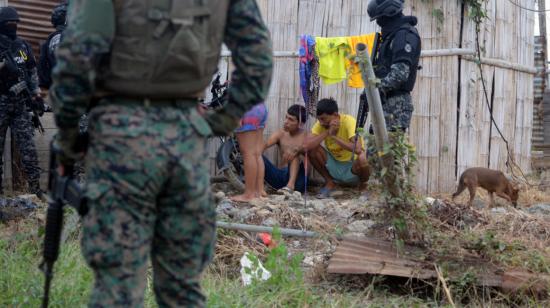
[544, 104]
[373, 96]
[378, 121]
[544, 43]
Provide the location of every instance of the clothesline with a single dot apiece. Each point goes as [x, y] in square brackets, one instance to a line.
[435, 53]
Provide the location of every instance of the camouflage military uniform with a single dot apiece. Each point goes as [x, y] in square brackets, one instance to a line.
[13, 108]
[147, 179]
[398, 108]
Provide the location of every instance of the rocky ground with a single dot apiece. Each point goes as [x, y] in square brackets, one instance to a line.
[347, 213]
[350, 213]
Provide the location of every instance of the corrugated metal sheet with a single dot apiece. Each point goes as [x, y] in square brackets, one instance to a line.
[375, 256]
[35, 25]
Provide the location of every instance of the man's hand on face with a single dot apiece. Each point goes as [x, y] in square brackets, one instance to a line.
[333, 127]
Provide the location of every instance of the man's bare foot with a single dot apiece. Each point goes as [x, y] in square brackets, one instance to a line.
[242, 198]
[264, 194]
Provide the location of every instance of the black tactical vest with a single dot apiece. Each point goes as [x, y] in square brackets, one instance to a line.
[386, 56]
[47, 58]
[15, 56]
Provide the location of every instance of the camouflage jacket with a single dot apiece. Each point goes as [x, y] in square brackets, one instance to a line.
[90, 33]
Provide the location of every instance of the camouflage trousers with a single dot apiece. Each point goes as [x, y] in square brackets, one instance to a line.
[14, 116]
[149, 195]
[398, 111]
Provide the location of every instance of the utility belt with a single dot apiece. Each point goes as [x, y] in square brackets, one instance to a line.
[179, 103]
[397, 93]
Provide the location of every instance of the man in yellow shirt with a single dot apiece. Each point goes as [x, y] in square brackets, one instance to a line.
[334, 160]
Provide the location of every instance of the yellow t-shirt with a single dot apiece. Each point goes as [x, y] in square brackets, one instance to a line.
[345, 132]
[332, 53]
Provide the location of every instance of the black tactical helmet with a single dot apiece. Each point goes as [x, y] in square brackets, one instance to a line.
[388, 8]
[59, 13]
[8, 13]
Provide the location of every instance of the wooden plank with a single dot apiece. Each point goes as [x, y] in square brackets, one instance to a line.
[421, 115]
[448, 98]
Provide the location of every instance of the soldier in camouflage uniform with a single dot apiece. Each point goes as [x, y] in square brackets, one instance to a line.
[396, 63]
[141, 67]
[18, 82]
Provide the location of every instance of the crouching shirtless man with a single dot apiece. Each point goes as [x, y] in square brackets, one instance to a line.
[290, 140]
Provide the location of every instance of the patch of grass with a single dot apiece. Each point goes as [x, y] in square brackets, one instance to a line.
[226, 292]
[22, 282]
[512, 255]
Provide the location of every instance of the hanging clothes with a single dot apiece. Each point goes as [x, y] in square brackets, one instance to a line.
[332, 53]
[313, 89]
[354, 73]
[306, 55]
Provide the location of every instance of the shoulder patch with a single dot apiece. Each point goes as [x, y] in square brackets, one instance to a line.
[408, 47]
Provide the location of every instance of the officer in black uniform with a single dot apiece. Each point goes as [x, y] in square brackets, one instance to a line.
[19, 94]
[396, 62]
[47, 50]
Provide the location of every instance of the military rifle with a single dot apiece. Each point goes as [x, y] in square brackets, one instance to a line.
[63, 190]
[20, 89]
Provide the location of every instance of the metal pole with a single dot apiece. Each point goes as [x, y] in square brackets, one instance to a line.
[255, 228]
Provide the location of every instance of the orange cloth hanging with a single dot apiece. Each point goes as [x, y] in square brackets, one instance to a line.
[353, 72]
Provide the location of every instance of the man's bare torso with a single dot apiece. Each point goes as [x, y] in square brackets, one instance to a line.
[291, 143]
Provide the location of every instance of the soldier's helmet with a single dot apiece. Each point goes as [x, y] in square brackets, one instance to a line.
[387, 8]
[59, 13]
[8, 13]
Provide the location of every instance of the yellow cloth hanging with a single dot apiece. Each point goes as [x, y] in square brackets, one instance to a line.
[332, 53]
[354, 73]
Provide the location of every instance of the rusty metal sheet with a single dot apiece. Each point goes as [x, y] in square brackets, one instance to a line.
[35, 25]
[374, 256]
[367, 255]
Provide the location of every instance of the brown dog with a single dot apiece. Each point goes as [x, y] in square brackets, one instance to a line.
[492, 180]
